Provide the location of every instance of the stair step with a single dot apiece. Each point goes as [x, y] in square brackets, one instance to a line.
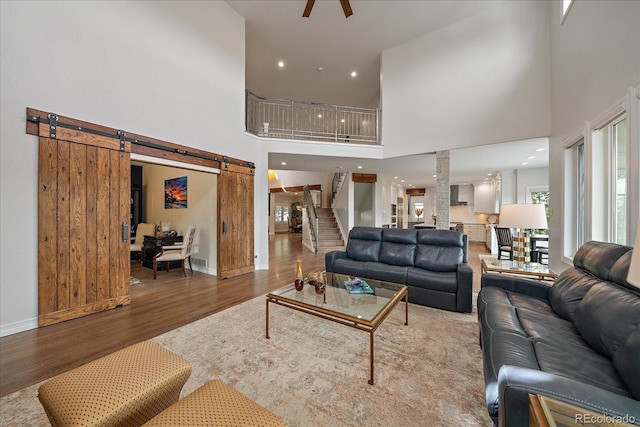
[330, 243]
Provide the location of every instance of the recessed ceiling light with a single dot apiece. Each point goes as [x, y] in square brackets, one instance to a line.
[342, 121]
[320, 68]
[353, 74]
[531, 157]
[283, 163]
[489, 174]
[359, 167]
[402, 180]
[524, 163]
[395, 177]
[280, 64]
[435, 176]
[539, 149]
[319, 116]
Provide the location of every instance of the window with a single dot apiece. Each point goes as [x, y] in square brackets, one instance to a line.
[575, 191]
[619, 181]
[282, 214]
[580, 201]
[540, 195]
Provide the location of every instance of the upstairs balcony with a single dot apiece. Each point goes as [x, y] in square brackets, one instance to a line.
[299, 120]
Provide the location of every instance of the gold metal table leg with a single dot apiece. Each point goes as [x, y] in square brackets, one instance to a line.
[406, 309]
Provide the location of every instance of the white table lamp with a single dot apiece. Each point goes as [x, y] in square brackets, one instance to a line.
[522, 216]
[634, 268]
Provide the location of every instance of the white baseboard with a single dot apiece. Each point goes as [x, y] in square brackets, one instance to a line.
[20, 326]
[205, 270]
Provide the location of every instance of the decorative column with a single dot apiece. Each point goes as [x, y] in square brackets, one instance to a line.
[442, 189]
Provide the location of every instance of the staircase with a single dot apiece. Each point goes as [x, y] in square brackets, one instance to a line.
[329, 237]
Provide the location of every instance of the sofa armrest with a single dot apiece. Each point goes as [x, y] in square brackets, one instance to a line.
[331, 257]
[530, 287]
[516, 383]
[465, 286]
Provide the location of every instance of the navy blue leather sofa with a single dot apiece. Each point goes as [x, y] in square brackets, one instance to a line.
[577, 341]
[432, 263]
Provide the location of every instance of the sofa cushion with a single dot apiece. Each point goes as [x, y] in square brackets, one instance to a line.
[588, 366]
[441, 238]
[598, 258]
[400, 235]
[443, 281]
[626, 362]
[397, 254]
[350, 267]
[364, 243]
[438, 258]
[497, 312]
[387, 272]
[606, 316]
[568, 290]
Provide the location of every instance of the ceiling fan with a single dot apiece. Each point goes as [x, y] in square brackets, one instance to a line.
[346, 7]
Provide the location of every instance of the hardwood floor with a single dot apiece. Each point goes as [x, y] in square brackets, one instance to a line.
[157, 306]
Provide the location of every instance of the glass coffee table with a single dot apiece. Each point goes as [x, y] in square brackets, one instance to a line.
[362, 307]
[490, 264]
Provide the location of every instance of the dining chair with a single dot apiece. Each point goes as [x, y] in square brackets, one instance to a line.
[143, 229]
[505, 241]
[177, 252]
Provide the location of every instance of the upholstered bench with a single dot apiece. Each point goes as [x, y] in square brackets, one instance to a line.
[216, 404]
[125, 388]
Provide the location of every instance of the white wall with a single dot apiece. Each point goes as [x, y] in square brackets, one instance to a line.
[479, 81]
[532, 177]
[595, 57]
[160, 69]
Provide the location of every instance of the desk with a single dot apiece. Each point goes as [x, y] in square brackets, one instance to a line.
[489, 264]
[153, 245]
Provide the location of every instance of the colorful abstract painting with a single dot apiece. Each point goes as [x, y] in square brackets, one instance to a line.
[175, 193]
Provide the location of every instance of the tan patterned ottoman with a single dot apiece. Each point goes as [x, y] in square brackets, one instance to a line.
[125, 388]
[216, 404]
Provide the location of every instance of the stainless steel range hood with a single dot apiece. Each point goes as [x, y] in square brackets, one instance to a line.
[454, 194]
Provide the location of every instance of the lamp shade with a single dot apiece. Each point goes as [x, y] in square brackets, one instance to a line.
[523, 215]
[634, 269]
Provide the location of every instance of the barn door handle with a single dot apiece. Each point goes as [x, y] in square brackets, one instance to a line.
[125, 231]
[224, 226]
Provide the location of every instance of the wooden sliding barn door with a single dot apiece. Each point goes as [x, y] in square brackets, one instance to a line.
[235, 222]
[83, 204]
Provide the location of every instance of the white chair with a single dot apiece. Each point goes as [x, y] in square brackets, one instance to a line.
[176, 252]
[144, 229]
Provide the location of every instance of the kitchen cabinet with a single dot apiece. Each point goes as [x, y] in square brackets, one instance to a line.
[484, 197]
[492, 240]
[475, 232]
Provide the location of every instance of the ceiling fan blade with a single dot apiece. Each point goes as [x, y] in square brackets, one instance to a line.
[346, 7]
[307, 9]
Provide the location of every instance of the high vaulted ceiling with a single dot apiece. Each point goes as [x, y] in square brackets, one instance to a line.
[319, 54]
[276, 31]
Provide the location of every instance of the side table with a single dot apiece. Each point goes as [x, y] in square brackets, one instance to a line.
[545, 411]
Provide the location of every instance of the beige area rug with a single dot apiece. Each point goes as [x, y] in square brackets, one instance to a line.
[313, 372]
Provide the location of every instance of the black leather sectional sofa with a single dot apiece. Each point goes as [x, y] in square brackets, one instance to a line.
[432, 263]
[577, 341]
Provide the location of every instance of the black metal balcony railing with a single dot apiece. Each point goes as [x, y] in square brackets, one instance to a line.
[287, 119]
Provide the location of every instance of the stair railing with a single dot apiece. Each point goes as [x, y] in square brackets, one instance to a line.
[335, 184]
[312, 217]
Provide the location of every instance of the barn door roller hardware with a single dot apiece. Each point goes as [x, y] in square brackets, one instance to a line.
[54, 123]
